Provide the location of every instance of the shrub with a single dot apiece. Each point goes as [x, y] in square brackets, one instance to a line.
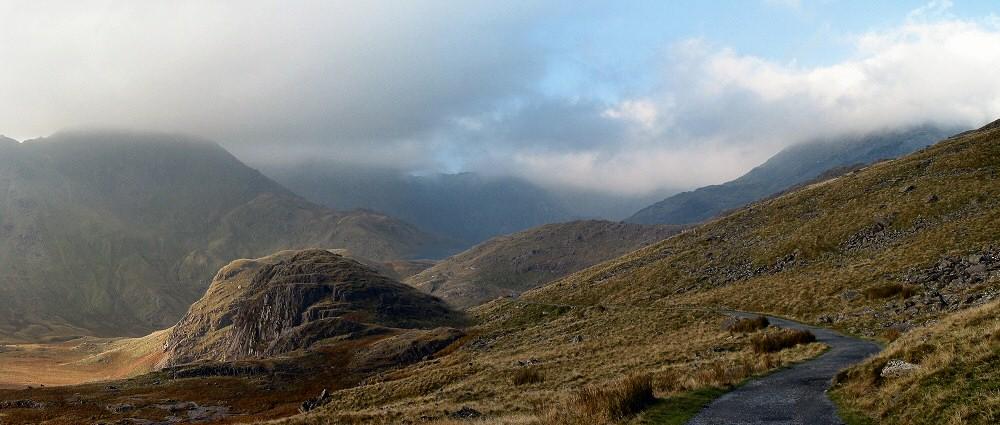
[527, 376]
[780, 340]
[890, 290]
[749, 324]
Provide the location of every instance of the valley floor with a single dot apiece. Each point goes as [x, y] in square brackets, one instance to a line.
[77, 361]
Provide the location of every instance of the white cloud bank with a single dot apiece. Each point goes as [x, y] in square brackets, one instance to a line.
[419, 84]
[719, 113]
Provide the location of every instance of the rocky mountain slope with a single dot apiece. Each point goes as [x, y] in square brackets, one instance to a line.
[271, 337]
[293, 299]
[790, 167]
[871, 252]
[515, 263]
[116, 233]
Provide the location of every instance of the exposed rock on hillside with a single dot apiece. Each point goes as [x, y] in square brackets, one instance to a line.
[294, 299]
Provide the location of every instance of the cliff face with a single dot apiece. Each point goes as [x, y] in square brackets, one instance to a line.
[294, 299]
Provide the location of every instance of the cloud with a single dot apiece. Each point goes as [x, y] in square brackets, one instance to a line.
[320, 73]
[718, 112]
[433, 85]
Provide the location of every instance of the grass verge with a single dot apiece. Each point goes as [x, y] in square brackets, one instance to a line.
[680, 408]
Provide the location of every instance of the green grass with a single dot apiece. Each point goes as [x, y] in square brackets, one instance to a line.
[848, 415]
[679, 408]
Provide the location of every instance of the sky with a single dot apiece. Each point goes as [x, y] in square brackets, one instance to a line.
[625, 97]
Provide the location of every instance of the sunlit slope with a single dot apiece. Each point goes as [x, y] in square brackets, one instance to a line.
[839, 251]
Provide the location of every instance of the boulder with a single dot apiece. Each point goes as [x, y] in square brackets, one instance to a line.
[898, 368]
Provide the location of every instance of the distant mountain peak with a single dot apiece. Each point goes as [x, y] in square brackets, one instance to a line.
[792, 166]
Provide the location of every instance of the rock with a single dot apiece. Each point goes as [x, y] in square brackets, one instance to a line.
[974, 259]
[120, 408]
[849, 295]
[21, 404]
[978, 268]
[932, 199]
[313, 403]
[292, 300]
[465, 412]
[576, 339]
[898, 368]
[907, 189]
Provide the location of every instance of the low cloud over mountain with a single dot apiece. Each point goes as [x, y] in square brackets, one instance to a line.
[530, 90]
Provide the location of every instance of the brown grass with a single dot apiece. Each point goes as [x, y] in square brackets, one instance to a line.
[780, 340]
[890, 290]
[749, 324]
[891, 334]
[608, 403]
[526, 376]
[956, 382]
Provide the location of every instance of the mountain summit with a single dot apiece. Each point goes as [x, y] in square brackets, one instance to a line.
[116, 233]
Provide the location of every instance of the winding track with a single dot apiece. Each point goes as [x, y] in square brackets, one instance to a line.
[796, 395]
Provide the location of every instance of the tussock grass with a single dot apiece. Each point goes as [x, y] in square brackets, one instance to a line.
[776, 341]
[749, 324]
[605, 404]
[526, 376]
[890, 290]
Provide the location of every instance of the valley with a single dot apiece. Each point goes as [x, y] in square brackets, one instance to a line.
[428, 212]
[892, 245]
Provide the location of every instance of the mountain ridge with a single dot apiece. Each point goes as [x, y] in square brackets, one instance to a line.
[791, 166]
[113, 233]
[510, 264]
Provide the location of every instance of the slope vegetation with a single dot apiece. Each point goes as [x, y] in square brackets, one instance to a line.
[954, 380]
[855, 253]
[792, 166]
[116, 233]
[515, 263]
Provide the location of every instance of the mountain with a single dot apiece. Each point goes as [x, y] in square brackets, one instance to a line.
[116, 233]
[466, 207]
[515, 263]
[271, 337]
[897, 247]
[293, 300]
[901, 250]
[792, 166]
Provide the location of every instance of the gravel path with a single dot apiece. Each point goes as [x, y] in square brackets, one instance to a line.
[796, 395]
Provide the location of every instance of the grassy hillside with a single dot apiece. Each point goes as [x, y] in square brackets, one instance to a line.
[857, 253]
[515, 263]
[116, 233]
[956, 380]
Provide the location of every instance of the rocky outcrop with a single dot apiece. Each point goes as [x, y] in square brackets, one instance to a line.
[293, 300]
